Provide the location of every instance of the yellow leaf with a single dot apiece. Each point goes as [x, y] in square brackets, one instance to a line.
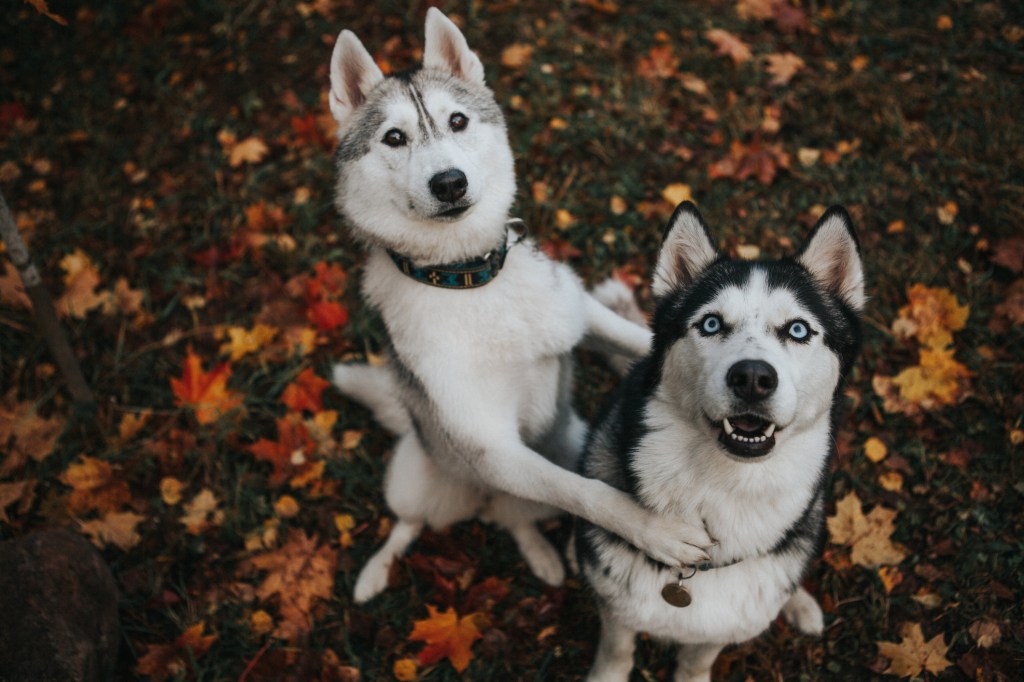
[242, 341]
[676, 193]
[80, 280]
[617, 205]
[202, 513]
[875, 449]
[890, 577]
[937, 380]
[170, 490]
[286, 507]
[931, 316]
[404, 670]
[260, 622]
[250, 150]
[913, 655]
[516, 55]
[891, 481]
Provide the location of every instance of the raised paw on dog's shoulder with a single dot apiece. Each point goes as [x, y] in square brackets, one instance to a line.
[674, 543]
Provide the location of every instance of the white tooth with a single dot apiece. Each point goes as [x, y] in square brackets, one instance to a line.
[727, 426]
[770, 431]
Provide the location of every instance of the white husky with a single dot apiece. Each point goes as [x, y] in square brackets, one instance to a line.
[480, 326]
[730, 420]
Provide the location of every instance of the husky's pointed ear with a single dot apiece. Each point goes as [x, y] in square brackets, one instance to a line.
[445, 48]
[353, 75]
[832, 256]
[686, 249]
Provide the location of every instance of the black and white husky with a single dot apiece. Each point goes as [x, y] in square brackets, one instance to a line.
[729, 423]
[481, 327]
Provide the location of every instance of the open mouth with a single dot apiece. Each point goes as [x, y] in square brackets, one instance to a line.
[747, 435]
[453, 213]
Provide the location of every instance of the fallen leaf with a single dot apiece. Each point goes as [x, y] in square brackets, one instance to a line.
[404, 670]
[875, 450]
[94, 487]
[937, 380]
[517, 55]
[286, 507]
[206, 393]
[12, 289]
[867, 536]
[931, 316]
[300, 573]
[760, 10]
[782, 67]
[985, 633]
[124, 299]
[115, 528]
[305, 392]
[1012, 307]
[171, 490]
[251, 150]
[24, 435]
[242, 341]
[163, 661]
[890, 577]
[755, 159]
[558, 248]
[729, 45]
[913, 655]
[447, 636]
[291, 454]
[660, 62]
[202, 513]
[80, 281]
[676, 193]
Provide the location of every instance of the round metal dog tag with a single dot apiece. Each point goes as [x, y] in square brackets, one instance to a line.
[676, 595]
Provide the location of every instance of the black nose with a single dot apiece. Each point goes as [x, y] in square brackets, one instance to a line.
[449, 186]
[752, 379]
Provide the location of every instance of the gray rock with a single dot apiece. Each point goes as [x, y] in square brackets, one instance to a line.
[58, 610]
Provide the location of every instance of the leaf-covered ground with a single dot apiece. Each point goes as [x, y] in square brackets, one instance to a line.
[169, 163]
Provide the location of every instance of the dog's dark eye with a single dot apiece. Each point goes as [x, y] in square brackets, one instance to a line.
[799, 330]
[394, 138]
[458, 121]
[711, 324]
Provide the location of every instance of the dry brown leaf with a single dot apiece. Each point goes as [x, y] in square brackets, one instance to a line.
[867, 536]
[80, 281]
[94, 486]
[202, 512]
[913, 655]
[299, 574]
[782, 67]
[25, 435]
[115, 528]
[729, 45]
[517, 55]
[14, 492]
[12, 289]
[42, 6]
[1010, 254]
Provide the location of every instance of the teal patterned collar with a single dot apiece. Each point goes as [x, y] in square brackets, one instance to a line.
[461, 275]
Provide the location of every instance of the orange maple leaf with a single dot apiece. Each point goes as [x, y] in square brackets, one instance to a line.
[291, 454]
[931, 316]
[913, 655]
[300, 573]
[305, 392]
[205, 392]
[448, 636]
[743, 161]
[660, 62]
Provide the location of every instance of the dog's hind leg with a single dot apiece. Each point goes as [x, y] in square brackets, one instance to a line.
[803, 613]
[519, 518]
[614, 657]
[375, 388]
[693, 664]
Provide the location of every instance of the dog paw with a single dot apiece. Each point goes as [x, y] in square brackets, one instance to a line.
[803, 613]
[618, 298]
[544, 561]
[372, 580]
[674, 543]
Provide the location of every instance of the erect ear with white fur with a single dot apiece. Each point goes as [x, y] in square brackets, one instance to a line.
[686, 250]
[446, 48]
[353, 75]
[832, 256]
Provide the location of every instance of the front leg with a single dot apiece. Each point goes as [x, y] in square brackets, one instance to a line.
[803, 613]
[693, 664]
[614, 657]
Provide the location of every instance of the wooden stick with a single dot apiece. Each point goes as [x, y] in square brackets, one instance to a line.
[42, 306]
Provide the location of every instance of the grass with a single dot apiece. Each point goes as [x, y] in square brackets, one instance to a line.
[118, 153]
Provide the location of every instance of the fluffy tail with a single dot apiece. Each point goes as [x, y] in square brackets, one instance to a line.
[618, 298]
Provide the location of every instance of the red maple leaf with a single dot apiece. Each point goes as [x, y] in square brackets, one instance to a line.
[291, 454]
[305, 392]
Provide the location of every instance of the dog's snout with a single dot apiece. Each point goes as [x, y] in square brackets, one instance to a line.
[449, 186]
[752, 380]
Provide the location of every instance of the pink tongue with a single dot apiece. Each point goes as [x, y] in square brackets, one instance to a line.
[746, 423]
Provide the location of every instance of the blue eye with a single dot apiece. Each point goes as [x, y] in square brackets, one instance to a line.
[711, 324]
[798, 330]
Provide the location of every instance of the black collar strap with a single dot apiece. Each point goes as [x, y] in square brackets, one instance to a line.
[462, 275]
